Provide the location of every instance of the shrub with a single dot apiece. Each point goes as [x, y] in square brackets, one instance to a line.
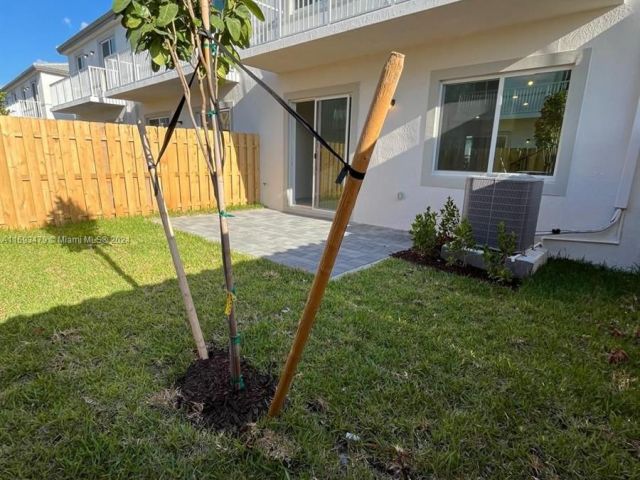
[463, 240]
[496, 260]
[449, 221]
[424, 232]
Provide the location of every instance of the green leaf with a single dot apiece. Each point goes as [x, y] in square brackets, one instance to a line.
[217, 23]
[136, 35]
[167, 14]
[131, 21]
[119, 5]
[255, 9]
[233, 26]
[243, 11]
[156, 50]
[140, 10]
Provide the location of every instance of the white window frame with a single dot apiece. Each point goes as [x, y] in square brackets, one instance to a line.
[80, 59]
[316, 99]
[112, 47]
[501, 77]
[158, 116]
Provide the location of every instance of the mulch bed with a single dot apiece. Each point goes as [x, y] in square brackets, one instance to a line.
[441, 264]
[208, 397]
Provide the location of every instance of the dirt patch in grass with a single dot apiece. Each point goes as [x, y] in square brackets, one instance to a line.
[440, 264]
[206, 393]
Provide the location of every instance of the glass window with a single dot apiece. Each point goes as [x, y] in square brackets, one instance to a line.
[225, 119]
[298, 4]
[468, 111]
[81, 62]
[531, 122]
[158, 122]
[522, 138]
[107, 48]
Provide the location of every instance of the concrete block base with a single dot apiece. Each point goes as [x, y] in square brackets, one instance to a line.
[522, 265]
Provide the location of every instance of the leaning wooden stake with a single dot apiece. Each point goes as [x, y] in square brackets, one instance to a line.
[192, 316]
[211, 99]
[370, 133]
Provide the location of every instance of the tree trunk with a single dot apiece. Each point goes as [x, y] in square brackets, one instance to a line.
[218, 181]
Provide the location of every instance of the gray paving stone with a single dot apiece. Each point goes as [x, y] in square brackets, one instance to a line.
[298, 241]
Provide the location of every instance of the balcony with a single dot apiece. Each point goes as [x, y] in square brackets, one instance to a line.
[27, 108]
[129, 76]
[300, 34]
[84, 94]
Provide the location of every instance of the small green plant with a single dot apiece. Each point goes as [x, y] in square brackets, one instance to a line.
[3, 101]
[463, 240]
[449, 220]
[429, 234]
[496, 260]
[424, 232]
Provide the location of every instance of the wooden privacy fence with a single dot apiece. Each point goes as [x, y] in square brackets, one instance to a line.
[52, 171]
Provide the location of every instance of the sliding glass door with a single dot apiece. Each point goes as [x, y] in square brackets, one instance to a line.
[313, 167]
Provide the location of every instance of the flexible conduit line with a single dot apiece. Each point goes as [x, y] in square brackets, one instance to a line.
[623, 196]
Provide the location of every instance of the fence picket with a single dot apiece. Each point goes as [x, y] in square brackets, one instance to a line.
[58, 170]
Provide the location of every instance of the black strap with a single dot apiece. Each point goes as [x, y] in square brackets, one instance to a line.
[174, 120]
[347, 169]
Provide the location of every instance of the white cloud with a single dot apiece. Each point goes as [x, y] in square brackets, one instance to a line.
[83, 25]
[67, 21]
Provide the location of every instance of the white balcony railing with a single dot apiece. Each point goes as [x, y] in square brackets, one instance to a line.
[127, 67]
[27, 108]
[288, 17]
[89, 84]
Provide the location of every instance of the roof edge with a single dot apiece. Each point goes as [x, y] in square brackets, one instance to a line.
[86, 32]
[34, 68]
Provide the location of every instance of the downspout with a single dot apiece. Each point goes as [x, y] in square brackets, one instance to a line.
[622, 197]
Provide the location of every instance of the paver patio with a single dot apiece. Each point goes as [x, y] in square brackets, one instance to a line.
[298, 241]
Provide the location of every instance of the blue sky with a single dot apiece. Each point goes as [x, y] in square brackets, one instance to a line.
[30, 30]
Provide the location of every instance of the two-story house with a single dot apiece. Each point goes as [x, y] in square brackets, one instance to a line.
[550, 88]
[108, 82]
[29, 93]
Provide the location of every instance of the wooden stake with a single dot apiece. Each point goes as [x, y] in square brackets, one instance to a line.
[192, 316]
[218, 184]
[370, 133]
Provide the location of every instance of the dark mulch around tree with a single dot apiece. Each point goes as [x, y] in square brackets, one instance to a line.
[441, 264]
[206, 393]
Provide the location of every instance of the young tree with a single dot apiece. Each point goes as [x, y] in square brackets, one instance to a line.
[549, 125]
[3, 101]
[177, 33]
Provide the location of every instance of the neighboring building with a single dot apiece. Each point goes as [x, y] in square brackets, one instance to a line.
[108, 82]
[477, 74]
[550, 88]
[29, 94]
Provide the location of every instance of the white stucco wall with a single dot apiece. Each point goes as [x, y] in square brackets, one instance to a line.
[607, 111]
[92, 44]
[43, 81]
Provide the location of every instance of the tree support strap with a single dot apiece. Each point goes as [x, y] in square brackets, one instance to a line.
[176, 116]
[228, 306]
[239, 381]
[346, 169]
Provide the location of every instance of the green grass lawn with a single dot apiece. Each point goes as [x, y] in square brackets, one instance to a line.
[446, 377]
